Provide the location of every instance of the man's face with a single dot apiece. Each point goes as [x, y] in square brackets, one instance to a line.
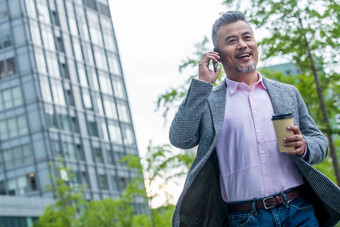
[237, 47]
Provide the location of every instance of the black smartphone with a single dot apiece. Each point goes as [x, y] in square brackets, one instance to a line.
[215, 65]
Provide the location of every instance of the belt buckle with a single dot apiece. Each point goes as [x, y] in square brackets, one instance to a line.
[265, 204]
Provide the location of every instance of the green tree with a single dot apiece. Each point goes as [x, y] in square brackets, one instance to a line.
[160, 165]
[67, 209]
[308, 33]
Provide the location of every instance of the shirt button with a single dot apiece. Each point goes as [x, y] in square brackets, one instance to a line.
[266, 173]
[258, 131]
[262, 152]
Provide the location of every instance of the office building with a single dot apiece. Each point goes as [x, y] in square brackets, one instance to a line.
[62, 94]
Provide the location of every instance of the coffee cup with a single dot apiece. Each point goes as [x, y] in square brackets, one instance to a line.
[281, 122]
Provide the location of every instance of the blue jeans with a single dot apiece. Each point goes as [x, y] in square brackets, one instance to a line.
[299, 212]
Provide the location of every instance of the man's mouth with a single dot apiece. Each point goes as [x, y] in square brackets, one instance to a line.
[243, 55]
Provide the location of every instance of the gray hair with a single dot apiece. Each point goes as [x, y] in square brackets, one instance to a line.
[228, 17]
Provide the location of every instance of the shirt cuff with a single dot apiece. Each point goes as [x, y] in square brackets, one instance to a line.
[306, 153]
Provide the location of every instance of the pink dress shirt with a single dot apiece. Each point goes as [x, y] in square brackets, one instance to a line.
[251, 165]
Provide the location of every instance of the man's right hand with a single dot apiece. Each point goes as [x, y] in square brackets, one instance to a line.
[204, 73]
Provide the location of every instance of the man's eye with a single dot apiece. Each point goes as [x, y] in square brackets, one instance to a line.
[232, 41]
[247, 37]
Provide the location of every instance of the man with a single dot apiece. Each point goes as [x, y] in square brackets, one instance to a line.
[239, 177]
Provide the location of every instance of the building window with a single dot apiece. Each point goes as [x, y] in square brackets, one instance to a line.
[56, 148]
[123, 183]
[10, 97]
[35, 32]
[11, 127]
[17, 156]
[65, 123]
[51, 120]
[77, 50]
[109, 157]
[2, 188]
[69, 97]
[98, 156]
[53, 65]
[3, 11]
[32, 184]
[128, 135]
[91, 4]
[48, 38]
[82, 76]
[114, 184]
[123, 111]
[110, 109]
[103, 182]
[55, 18]
[58, 93]
[7, 68]
[92, 128]
[5, 39]
[12, 187]
[70, 151]
[115, 134]
[104, 131]
[87, 101]
[43, 13]
[114, 65]
[105, 84]
[100, 59]
[118, 87]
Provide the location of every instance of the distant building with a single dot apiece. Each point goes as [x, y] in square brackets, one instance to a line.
[62, 93]
[287, 69]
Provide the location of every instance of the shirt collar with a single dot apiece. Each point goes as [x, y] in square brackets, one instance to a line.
[233, 86]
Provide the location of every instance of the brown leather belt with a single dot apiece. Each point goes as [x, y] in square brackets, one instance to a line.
[267, 202]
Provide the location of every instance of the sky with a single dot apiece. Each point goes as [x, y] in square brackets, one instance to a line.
[153, 37]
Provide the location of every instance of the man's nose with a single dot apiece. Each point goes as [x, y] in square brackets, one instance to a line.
[241, 44]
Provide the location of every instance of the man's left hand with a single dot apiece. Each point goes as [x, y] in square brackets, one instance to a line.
[296, 141]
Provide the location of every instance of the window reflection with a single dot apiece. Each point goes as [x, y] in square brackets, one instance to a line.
[12, 127]
[123, 112]
[47, 37]
[43, 13]
[53, 65]
[7, 68]
[58, 93]
[5, 39]
[110, 109]
[92, 128]
[45, 89]
[118, 88]
[10, 97]
[115, 134]
[105, 84]
[3, 11]
[87, 101]
[40, 61]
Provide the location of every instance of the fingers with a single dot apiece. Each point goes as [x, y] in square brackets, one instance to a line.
[204, 72]
[297, 141]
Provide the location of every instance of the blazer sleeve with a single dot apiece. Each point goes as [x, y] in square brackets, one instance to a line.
[317, 147]
[184, 129]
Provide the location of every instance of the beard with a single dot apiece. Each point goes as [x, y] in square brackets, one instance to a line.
[246, 69]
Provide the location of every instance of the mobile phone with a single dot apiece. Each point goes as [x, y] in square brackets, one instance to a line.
[215, 65]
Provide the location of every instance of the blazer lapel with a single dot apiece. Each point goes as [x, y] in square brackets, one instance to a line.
[280, 101]
[217, 105]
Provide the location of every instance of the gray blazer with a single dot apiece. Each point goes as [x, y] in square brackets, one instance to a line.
[199, 121]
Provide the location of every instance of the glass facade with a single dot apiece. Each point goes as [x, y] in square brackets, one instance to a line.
[62, 94]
